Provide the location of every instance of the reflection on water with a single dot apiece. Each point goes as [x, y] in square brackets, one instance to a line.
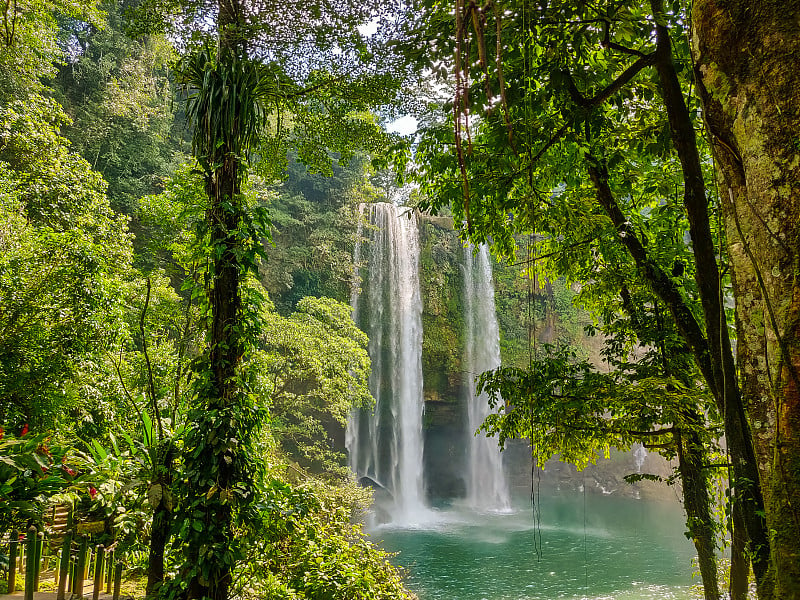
[617, 548]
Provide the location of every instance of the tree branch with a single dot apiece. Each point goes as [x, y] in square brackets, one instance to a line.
[150, 380]
[625, 77]
[659, 281]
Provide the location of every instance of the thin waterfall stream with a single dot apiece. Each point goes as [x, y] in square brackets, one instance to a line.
[487, 487]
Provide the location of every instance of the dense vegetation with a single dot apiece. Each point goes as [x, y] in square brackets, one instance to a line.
[588, 125]
[179, 183]
[106, 259]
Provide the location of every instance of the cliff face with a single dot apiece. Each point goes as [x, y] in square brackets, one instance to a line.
[528, 313]
[442, 282]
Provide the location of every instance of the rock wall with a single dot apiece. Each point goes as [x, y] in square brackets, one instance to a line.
[528, 313]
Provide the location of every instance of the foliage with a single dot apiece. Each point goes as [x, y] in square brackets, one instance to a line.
[566, 407]
[63, 254]
[118, 92]
[310, 549]
[315, 367]
[124, 478]
[29, 44]
[314, 220]
[32, 469]
[441, 289]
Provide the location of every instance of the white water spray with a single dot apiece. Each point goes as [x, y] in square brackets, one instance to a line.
[386, 444]
[487, 487]
[639, 456]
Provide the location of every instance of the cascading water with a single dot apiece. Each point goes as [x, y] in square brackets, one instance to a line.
[487, 487]
[386, 445]
[639, 456]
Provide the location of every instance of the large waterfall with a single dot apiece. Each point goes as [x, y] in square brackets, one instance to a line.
[386, 445]
[487, 487]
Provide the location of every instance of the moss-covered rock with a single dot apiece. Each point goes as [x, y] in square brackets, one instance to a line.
[441, 283]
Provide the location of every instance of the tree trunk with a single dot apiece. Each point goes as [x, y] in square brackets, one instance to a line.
[162, 520]
[748, 504]
[225, 343]
[745, 56]
[697, 504]
[692, 457]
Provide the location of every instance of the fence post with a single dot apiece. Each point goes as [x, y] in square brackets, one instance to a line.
[37, 559]
[13, 548]
[110, 569]
[30, 565]
[63, 567]
[117, 580]
[80, 567]
[98, 571]
[72, 572]
[22, 558]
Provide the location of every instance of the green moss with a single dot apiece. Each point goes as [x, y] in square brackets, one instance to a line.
[441, 283]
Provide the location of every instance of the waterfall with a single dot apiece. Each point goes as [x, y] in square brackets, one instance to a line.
[639, 456]
[487, 488]
[385, 445]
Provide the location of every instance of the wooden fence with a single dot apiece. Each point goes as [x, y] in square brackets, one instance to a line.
[70, 559]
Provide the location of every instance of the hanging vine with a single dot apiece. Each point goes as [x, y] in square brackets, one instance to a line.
[471, 26]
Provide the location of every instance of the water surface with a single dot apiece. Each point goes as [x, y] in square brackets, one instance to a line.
[603, 547]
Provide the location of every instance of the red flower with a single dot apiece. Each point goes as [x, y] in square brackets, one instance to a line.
[24, 430]
[70, 472]
[92, 492]
[43, 450]
[2, 433]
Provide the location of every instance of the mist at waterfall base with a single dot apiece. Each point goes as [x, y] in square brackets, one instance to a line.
[482, 546]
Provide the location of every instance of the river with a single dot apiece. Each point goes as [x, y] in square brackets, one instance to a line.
[593, 547]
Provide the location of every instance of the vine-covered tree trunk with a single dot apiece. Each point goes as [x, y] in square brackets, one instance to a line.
[697, 504]
[745, 57]
[162, 517]
[748, 504]
[216, 463]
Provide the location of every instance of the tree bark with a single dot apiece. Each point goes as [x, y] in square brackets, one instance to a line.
[748, 502]
[162, 520]
[745, 56]
[696, 503]
[692, 458]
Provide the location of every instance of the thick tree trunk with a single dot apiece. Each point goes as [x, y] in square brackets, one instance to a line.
[745, 57]
[224, 358]
[225, 343]
[748, 503]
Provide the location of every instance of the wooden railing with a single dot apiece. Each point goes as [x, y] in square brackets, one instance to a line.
[74, 561]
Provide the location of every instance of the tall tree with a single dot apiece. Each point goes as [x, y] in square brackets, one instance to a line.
[578, 101]
[745, 59]
[274, 77]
